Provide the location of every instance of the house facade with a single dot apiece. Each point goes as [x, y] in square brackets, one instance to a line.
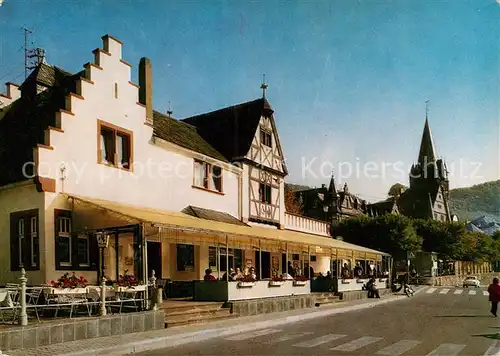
[334, 205]
[86, 153]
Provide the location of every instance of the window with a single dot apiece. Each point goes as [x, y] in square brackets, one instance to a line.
[34, 248]
[185, 258]
[116, 90]
[24, 245]
[73, 251]
[266, 138]
[440, 206]
[265, 193]
[64, 240]
[207, 176]
[83, 250]
[115, 146]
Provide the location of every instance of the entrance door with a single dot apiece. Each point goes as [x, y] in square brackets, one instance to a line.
[154, 258]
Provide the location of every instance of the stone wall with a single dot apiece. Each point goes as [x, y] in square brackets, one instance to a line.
[54, 332]
[271, 305]
[356, 295]
[456, 281]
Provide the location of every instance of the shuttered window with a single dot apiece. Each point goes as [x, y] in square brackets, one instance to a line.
[73, 250]
[24, 240]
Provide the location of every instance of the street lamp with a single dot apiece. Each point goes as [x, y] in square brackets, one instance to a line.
[102, 242]
[325, 209]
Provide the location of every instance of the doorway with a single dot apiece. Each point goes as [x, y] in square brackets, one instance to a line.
[154, 258]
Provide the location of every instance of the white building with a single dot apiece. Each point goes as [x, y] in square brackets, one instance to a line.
[86, 152]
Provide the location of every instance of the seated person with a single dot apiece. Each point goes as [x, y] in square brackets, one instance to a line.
[208, 275]
[251, 273]
[372, 289]
[237, 275]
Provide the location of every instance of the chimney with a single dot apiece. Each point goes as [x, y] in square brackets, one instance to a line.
[146, 88]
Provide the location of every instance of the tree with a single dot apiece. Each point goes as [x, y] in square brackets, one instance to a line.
[396, 189]
[496, 235]
[389, 233]
[292, 204]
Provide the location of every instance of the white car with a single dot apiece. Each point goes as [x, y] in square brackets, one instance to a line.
[471, 281]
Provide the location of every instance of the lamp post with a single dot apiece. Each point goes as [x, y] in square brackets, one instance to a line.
[102, 242]
[325, 209]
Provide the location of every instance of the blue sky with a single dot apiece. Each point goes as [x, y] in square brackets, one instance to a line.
[347, 79]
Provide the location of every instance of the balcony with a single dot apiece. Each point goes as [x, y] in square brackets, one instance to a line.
[305, 224]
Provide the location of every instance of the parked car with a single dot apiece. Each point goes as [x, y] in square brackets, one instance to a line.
[471, 281]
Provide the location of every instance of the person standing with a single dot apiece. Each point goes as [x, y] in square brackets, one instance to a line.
[494, 292]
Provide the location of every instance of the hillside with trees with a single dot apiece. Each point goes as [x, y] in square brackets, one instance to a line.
[472, 202]
[397, 235]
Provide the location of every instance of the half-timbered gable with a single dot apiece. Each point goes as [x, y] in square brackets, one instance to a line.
[246, 135]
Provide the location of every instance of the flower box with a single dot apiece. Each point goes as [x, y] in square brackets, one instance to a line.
[276, 283]
[346, 281]
[131, 289]
[299, 283]
[360, 281]
[246, 284]
[67, 290]
[382, 279]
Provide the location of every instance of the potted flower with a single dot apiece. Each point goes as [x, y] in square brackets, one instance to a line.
[300, 281]
[69, 284]
[246, 282]
[276, 281]
[127, 281]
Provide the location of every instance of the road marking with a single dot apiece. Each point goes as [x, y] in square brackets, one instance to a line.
[458, 291]
[485, 292]
[399, 347]
[472, 292]
[430, 290]
[444, 291]
[447, 349]
[319, 340]
[357, 344]
[240, 337]
[493, 350]
[288, 337]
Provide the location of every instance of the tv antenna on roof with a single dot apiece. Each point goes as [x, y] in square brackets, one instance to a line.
[37, 53]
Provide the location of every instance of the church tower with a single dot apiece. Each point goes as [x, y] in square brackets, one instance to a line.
[428, 195]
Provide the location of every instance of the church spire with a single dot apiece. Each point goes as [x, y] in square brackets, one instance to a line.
[427, 153]
[331, 187]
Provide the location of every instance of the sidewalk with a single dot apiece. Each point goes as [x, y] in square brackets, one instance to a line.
[151, 340]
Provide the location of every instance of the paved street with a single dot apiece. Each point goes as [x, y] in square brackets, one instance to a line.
[438, 321]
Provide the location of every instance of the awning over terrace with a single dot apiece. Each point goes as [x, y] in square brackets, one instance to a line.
[182, 228]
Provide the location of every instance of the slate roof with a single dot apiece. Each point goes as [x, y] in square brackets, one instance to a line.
[213, 215]
[46, 75]
[231, 130]
[384, 206]
[427, 151]
[182, 134]
[23, 123]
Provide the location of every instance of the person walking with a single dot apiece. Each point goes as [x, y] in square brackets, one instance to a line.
[494, 292]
